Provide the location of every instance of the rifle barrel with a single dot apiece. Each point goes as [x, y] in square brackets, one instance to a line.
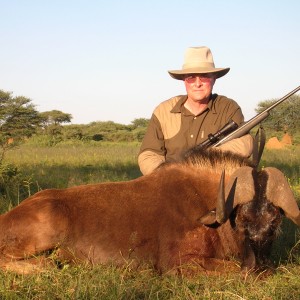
[247, 126]
[283, 98]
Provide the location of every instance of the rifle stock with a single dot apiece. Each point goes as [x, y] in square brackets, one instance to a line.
[218, 139]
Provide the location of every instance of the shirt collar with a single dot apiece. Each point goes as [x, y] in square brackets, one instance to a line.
[182, 99]
[179, 104]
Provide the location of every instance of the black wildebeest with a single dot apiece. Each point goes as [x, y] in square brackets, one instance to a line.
[204, 210]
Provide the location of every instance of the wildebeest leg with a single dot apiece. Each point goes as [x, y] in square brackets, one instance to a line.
[30, 230]
[29, 266]
[195, 252]
[190, 266]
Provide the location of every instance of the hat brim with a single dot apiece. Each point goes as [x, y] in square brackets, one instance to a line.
[179, 74]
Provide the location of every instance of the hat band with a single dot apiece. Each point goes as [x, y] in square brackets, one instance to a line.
[200, 65]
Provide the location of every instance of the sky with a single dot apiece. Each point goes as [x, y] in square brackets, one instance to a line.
[107, 60]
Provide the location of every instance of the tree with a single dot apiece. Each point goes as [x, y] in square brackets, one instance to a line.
[284, 117]
[18, 119]
[141, 122]
[52, 123]
[55, 117]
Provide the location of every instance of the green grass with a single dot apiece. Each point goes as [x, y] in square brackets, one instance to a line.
[124, 283]
[69, 165]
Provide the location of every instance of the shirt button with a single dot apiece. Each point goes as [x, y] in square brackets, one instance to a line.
[195, 118]
[192, 136]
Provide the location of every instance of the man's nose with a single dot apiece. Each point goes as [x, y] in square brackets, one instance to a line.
[198, 81]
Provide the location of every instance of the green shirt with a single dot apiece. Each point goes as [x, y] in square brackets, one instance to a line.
[173, 129]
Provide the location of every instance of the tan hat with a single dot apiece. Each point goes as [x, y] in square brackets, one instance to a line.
[198, 60]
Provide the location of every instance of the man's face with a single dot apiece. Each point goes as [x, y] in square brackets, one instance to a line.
[199, 86]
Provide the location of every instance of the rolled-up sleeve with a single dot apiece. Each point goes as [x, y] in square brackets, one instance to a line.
[152, 151]
[148, 161]
[242, 146]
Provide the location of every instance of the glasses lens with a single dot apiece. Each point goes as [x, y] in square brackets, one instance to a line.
[193, 78]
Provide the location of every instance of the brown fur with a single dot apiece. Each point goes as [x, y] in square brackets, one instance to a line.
[153, 218]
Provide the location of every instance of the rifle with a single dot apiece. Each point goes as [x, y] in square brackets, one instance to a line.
[232, 131]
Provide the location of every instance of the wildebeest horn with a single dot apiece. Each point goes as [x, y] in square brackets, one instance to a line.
[280, 194]
[221, 213]
[239, 189]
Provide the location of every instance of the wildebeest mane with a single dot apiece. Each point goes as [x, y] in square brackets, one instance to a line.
[215, 159]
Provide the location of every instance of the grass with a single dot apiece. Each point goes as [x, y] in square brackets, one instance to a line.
[124, 283]
[69, 165]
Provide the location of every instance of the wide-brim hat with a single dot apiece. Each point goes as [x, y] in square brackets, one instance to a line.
[198, 60]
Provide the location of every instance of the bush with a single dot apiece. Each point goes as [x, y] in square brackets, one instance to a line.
[12, 186]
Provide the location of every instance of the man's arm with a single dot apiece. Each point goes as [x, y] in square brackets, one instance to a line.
[148, 161]
[242, 146]
[152, 152]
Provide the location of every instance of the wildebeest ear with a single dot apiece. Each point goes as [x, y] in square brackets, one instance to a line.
[240, 188]
[209, 218]
[280, 194]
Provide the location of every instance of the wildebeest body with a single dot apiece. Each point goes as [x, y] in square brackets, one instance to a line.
[155, 218]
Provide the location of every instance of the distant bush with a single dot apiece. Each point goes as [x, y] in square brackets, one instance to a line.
[95, 131]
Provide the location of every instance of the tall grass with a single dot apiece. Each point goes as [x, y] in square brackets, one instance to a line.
[68, 165]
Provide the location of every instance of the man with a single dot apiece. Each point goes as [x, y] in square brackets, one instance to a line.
[182, 122]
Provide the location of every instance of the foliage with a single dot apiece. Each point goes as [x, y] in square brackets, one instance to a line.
[52, 125]
[18, 117]
[108, 131]
[13, 186]
[55, 117]
[73, 132]
[284, 117]
[141, 122]
[18, 120]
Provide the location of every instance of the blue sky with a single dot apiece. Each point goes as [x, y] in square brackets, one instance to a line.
[108, 60]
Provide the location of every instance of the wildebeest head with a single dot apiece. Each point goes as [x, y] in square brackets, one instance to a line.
[254, 204]
[259, 222]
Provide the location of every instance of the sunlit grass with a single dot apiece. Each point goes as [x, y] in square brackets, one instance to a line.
[75, 155]
[70, 165]
[125, 283]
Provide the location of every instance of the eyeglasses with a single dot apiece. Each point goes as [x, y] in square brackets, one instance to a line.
[205, 78]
